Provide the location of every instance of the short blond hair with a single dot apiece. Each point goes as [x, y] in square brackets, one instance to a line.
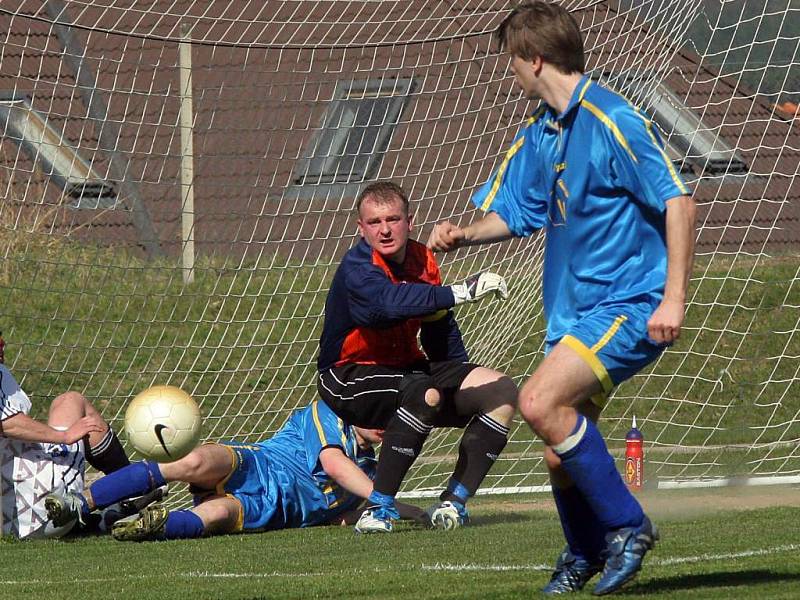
[382, 192]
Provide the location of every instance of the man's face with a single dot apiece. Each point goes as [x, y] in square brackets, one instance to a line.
[367, 438]
[526, 75]
[385, 226]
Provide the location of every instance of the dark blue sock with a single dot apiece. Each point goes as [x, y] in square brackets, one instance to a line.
[593, 471]
[584, 533]
[456, 492]
[385, 501]
[128, 482]
[183, 525]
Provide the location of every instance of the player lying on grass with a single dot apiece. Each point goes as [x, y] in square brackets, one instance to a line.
[372, 372]
[314, 471]
[39, 457]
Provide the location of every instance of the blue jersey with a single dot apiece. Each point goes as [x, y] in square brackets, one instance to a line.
[281, 483]
[596, 177]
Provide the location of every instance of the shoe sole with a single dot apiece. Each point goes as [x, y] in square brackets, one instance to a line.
[56, 512]
[369, 531]
[133, 529]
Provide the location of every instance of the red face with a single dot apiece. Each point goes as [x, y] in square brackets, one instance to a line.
[385, 226]
[367, 438]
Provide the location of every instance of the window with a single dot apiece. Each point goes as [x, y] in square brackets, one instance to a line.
[60, 161]
[355, 132]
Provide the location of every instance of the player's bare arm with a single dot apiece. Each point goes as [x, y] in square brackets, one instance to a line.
[665, 324]
[22, 427]
[345, 472]
[447, 236]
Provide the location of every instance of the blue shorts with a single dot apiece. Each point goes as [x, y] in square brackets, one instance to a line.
[250, 483]
[614, 342]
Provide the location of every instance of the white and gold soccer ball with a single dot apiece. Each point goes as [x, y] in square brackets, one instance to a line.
[163, 423]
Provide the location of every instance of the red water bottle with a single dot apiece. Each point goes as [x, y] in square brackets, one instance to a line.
[634, 458]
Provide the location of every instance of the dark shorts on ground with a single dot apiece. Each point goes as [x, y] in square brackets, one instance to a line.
[369, 395]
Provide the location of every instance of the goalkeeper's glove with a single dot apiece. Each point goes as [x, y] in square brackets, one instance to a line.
[478, 286]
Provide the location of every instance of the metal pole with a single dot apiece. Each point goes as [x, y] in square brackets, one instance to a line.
[187, 154]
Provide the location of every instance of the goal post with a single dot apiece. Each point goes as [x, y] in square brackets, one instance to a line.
[295, 107]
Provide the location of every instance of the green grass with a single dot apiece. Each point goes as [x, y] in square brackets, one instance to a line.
[505, 554]
[243, 340]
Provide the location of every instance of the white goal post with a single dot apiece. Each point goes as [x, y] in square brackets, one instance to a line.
[297, 104]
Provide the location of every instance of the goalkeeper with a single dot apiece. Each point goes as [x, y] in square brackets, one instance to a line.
[373, 374]
[315, 471]
[590, 170]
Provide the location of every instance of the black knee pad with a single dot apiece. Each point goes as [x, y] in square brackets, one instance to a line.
[412, 397]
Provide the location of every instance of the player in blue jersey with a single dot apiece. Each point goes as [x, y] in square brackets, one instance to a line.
[590, 170]
[316, 470]
[372, 372]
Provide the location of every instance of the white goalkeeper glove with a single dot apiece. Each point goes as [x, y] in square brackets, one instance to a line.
[478, 286]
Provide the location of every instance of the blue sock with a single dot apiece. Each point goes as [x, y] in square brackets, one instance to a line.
[384, 501]
[183, 525]
[591, 468]
[128, 482]
[584, 533]
[381, 499]
[456, 492]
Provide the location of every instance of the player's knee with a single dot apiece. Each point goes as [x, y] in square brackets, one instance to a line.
[419, 396]
[432, 397]
[191, 466]
[70, 400]
[215, 514]
[534, 408]
[504, 413]
[506, 394]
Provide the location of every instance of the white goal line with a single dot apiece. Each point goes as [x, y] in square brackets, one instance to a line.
[667, 484]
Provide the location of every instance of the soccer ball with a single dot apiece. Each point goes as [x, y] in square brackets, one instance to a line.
[163, 423]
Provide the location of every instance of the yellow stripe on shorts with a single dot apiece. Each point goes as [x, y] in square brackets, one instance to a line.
[609, 333]
[590, 359]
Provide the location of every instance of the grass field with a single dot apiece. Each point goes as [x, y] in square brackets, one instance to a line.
[709, 549]
[243, 339]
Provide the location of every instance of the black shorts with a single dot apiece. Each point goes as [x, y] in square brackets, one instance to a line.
[369, 395]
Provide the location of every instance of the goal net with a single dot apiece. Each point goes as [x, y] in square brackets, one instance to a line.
[177, 181]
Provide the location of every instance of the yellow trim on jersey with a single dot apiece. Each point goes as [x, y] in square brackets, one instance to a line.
[590, 359]
[584, 88]
[315, 415]
[498, 179]
[603, 117]
[438, 315]
[563, 187]
[609, 333]
[673, 173]
[536, 115]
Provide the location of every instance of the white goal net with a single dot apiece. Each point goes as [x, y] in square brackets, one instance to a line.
[177, 179]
